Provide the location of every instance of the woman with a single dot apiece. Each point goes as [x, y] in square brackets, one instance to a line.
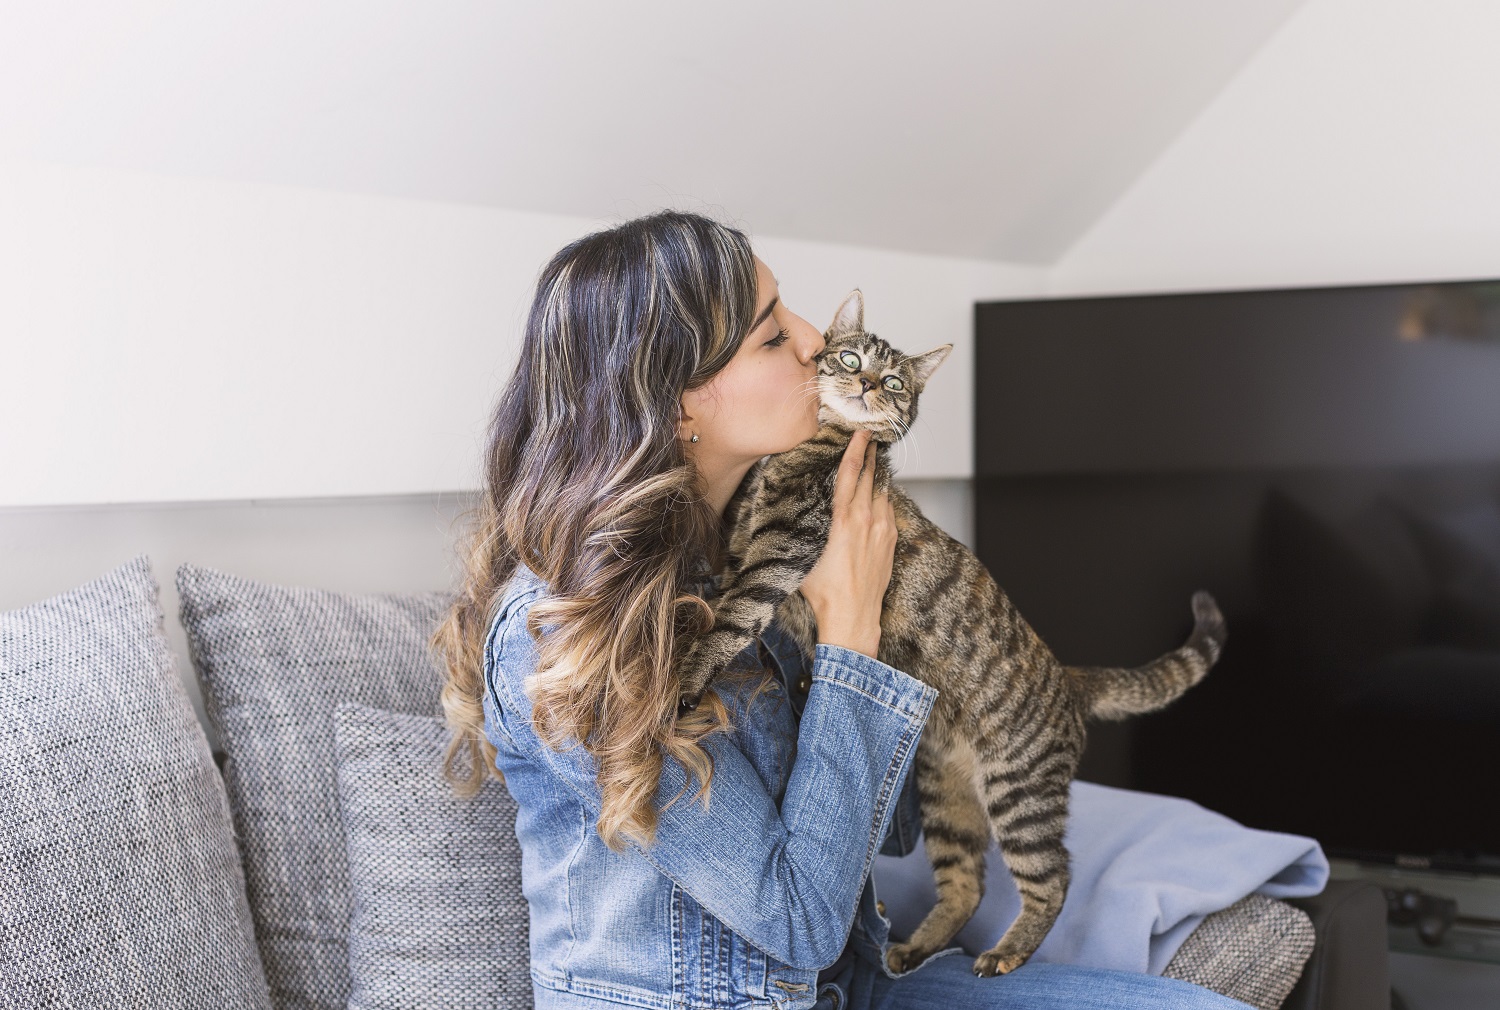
[718, 857]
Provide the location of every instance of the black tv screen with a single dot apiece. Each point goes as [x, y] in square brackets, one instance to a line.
[1326, 462]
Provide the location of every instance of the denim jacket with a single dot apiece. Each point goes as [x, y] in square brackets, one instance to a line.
[739, 905]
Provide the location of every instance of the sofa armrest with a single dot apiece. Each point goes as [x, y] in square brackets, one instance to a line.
[1350, 964]
[1252, 951]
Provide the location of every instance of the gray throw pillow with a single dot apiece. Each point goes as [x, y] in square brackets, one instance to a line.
[1253, 951]
[120, 884]
[438, 920]
[274, 662]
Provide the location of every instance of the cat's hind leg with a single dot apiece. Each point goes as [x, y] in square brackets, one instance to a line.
[956, 834]
[1028, 817]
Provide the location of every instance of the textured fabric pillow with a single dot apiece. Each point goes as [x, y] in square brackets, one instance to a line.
[120, 884]
[274, 662]
[438, 918]
[1253, 951]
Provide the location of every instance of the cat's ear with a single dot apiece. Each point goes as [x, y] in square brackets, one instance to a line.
[850, 318]
[923, 365]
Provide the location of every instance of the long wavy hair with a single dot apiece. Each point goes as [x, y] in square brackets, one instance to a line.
[587, 482]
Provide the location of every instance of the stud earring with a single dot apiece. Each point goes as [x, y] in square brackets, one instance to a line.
[693, 439]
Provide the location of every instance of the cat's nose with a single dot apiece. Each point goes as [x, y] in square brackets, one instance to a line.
[865, 385]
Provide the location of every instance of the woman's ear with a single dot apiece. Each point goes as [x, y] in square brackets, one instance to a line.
[850, 318]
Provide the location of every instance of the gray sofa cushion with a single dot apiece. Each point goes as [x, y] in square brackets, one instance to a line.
[274, 662]
[120, 884]
[1252, 951]
[438, 918]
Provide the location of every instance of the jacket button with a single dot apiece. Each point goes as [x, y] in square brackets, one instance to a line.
[804, 683]
[880, 906]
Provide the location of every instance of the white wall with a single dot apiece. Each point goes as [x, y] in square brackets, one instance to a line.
[172, 339]
[1360, 145]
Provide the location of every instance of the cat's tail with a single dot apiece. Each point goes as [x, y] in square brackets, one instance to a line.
[1116, 692]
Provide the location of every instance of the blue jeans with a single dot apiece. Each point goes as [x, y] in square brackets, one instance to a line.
[947, 982]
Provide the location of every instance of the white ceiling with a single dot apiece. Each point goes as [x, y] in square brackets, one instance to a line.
[996, 130]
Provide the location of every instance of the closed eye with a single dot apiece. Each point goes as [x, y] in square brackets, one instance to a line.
[779, 339]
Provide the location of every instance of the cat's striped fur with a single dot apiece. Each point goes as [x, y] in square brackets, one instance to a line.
[1004, 739]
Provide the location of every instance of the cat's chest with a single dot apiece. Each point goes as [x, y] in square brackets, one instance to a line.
[803, 491]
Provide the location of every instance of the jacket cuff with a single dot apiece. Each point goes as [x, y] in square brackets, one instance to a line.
[900, 692]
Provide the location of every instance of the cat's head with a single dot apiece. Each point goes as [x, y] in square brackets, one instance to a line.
[864, 382]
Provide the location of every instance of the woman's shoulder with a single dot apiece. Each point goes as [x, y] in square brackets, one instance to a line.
[524, 588]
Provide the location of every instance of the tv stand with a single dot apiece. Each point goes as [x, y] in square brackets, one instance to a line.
[1454, 963]
[1431, 915]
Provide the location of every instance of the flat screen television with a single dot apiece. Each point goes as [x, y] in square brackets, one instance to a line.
[1326, 462]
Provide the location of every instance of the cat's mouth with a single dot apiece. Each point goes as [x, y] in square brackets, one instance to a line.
[858, 403]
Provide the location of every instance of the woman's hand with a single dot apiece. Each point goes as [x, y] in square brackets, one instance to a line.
[847, 585]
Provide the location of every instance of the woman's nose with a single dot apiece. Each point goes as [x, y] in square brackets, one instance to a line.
[815, 346]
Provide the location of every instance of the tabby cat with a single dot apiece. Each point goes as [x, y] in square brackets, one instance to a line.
[1003, 741]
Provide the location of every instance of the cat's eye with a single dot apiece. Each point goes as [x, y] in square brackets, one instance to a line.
[894, 384]
[779, 339]
[849, 359]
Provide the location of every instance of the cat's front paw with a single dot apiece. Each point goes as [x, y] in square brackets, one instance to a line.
[689, 698]
[904, 956]
[1001, 960]
[694, 676]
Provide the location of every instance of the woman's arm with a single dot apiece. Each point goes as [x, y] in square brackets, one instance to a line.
[786, 879]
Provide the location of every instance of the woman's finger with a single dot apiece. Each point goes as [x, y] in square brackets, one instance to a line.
[847, 480]
[866, 488]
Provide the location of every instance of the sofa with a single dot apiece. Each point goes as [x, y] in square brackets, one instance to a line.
[319, 859]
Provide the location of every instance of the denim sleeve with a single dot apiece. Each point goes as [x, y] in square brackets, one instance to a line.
[906, 822]
[786, 878]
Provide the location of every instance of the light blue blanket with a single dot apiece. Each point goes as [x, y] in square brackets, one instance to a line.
[1146, 870]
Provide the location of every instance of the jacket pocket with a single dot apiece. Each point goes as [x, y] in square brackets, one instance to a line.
[711, 966]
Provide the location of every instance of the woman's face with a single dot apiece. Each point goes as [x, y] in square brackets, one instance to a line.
[766, 399]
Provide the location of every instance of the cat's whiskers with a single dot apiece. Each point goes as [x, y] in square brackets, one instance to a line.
[909, 440]
[905, 438]
[903, 433]
[803, 389]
